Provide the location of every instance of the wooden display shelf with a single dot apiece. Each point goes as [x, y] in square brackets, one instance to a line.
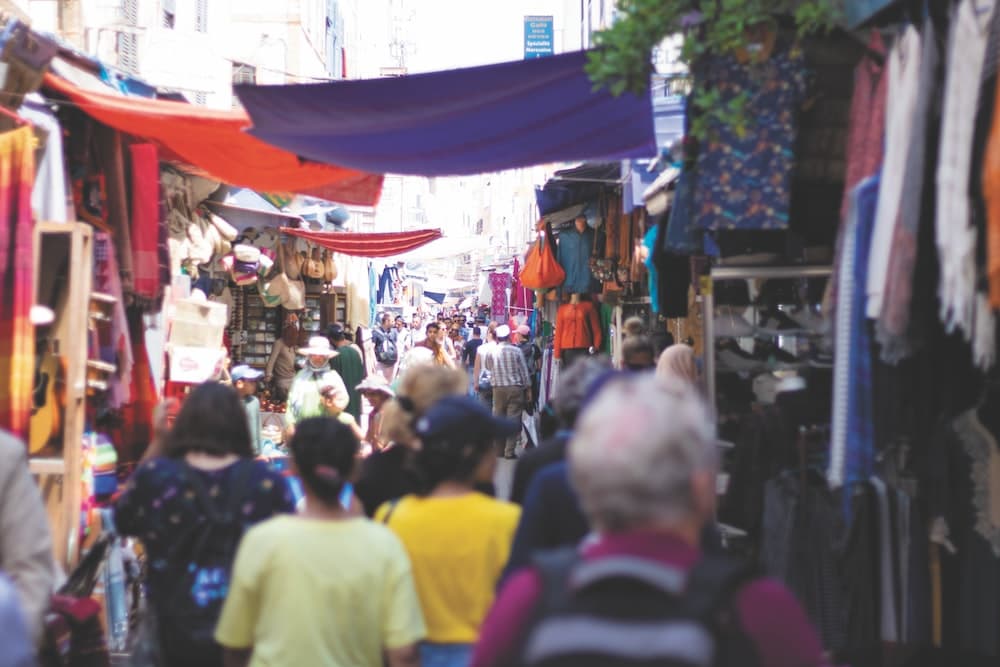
[60, 477]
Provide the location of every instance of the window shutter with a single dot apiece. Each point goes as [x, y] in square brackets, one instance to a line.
[128, 42]
[201, 15]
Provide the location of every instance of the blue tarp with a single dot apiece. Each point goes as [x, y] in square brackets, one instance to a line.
[463, 121]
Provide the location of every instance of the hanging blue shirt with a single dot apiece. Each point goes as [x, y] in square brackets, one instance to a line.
[574, 252]
[649, 242]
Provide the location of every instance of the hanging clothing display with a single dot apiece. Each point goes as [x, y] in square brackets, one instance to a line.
[867, 117]
[963, 495]
[893, 329]
[521, 297]
[956, 238]
[574, 252]
[145, 219]
[744, 178]
[499, 284]
[649, 242]
[49, 194]
[578, 327]
[17, 335]
[118, 350]
[852, 439]
[110, 161]
[904, 77]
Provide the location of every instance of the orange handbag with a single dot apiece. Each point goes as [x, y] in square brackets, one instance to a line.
[541, 270]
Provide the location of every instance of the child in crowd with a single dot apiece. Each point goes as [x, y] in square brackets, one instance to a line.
[331, 402]
[245, 382]
[377, 393]
[288, 606]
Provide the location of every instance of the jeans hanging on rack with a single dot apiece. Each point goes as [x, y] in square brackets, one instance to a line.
[385, 286]
[114, 588]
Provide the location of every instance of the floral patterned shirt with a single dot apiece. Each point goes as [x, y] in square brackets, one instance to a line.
[744, 179]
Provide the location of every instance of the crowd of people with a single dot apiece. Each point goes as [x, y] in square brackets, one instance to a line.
[399, 551]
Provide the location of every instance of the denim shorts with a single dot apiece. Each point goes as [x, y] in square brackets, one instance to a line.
[445, 655]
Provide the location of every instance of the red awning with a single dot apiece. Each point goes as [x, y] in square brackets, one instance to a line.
[215, 142]
[367, 245]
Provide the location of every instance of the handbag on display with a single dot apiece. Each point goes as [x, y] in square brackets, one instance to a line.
[291, 261]
[273, 292]
[295, 297]
[541, 269]
[314, 267]
[329, 267]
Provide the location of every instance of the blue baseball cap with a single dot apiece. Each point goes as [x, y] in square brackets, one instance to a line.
[245, 373]
[462, 418]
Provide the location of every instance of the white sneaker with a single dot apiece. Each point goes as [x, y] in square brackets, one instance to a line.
[729, 324]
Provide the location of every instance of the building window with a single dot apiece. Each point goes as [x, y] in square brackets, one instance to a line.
[128, 43]
[201, 98]
[168, 13]
[243, 73]
[201, 15]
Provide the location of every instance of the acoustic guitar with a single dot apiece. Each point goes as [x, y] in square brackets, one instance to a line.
[49, 404]
[48, 407]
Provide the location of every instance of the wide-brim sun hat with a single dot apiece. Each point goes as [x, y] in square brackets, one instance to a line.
[375, 385]
[318, 346]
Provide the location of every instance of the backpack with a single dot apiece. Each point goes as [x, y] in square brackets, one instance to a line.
[628, 611]
[200, 563]
[385, 348]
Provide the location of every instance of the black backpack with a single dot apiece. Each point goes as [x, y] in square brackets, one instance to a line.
[200, 565]
[385, 348]
[634, 612]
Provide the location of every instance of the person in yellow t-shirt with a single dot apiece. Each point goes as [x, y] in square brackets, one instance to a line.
[322, 588]
[458, 539]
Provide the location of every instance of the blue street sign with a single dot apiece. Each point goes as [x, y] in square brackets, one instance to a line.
[539, 39]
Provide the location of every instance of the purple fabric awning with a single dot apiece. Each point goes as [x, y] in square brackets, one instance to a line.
[464, 121]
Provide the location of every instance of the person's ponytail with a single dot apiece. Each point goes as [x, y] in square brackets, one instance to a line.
[324, 450]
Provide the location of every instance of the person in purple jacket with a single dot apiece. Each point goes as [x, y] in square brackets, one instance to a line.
[643, 462]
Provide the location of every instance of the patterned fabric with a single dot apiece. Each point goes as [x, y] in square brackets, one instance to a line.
[158, 505]
[17, 341]
[852, 446]
[507, 367]
[744, 178]
[499, 282]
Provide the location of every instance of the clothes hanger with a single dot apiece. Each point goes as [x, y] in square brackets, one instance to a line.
[13, 116]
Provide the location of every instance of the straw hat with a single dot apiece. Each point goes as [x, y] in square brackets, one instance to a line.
[318, 346]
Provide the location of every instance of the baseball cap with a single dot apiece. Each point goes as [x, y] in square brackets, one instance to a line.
[524, 330]
[244, 372]
[336, 332]
[503, 331]
[462, 418]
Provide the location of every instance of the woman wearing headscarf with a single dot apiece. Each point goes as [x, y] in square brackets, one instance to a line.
[679, 362]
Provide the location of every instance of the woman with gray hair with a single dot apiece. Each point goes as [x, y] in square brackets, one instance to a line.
[643, 461]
